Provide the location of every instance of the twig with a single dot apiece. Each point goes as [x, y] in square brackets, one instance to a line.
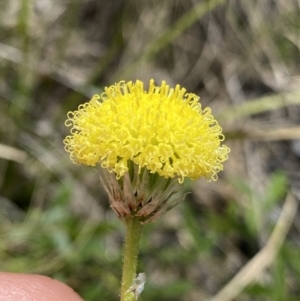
[253, 269]
[12, 153]
[267, 134]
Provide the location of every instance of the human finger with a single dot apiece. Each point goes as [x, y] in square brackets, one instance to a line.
[25, 287]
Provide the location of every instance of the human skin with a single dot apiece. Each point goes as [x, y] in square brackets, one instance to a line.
[23, 287]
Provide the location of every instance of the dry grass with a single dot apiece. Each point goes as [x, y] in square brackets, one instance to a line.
[241, 57]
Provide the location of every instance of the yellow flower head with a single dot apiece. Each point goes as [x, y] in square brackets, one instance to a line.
[163, 130]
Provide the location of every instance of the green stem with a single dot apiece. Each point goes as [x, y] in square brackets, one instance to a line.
[131, 250]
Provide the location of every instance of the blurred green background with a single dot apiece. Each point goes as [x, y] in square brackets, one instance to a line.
[241, 57]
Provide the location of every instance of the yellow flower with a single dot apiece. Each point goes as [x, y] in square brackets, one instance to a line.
[162, 130]
[146, 142]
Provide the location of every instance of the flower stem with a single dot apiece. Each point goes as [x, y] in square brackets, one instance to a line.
[131, 250]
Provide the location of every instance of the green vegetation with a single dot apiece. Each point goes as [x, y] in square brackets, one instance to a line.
[241, 57]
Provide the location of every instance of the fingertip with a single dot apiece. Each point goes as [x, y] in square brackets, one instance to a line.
[17, 287]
